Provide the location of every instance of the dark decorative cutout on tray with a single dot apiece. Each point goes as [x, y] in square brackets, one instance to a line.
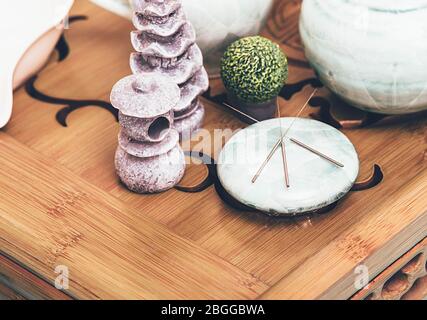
[62, 46]
[211, 180]
[374, 180]
[63, 50]
[71, 104]
[339, 114]
[208, 181]
[292, 89]
[76, 18]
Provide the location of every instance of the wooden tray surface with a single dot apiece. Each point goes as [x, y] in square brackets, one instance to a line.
[62, 203]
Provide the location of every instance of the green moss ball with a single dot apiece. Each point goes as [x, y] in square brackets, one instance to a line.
[254, 69]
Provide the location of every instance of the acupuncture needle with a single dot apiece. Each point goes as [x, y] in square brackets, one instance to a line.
[298, 143]
[283, 147]
[279, 142]
[284, 157]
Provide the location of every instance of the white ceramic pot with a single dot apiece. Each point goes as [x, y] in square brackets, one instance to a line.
[29, 31]
[218, 23]
[372, 53]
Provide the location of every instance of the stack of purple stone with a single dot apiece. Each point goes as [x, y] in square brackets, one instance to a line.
[165, 45]
[149, 158]
[159, 103]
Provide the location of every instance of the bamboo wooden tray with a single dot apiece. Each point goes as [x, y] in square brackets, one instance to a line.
[62, 203]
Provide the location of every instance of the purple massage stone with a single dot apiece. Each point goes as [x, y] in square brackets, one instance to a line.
[179, 70]
[190, 123]
[156, 8]
[168, 47]
[149, 158]
[142, 149]
[150, 175]
[166, 29]
[193, 88]
[147, 129]
[145, 96]
[165, 45]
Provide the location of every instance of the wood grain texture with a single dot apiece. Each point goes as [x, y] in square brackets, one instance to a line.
[111, 251]
[17, 283]
[7, 293]
[406, 279]
[64, 204]
[371, 242]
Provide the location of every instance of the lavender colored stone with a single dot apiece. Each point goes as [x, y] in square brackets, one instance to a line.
[149, 158]
[197, 85]
[165, 45]
[143, 149]
[145, 97]
[179, 69]
[147, 129]
[167, 29]
[150, 175]
[188, 111]
[190, 123]
[156, 8]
